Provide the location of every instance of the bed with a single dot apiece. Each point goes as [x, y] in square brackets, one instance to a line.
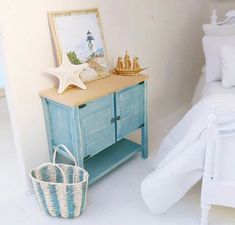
[185, 146]
[203, 89]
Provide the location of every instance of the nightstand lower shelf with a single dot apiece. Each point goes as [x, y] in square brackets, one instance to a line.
[110, 158]
[102, 163]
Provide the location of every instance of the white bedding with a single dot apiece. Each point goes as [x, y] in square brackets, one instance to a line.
[203, 90]
[184, 164]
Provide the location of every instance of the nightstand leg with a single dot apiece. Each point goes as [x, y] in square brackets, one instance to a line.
[144, 142]
[144, 129]
[48, 129]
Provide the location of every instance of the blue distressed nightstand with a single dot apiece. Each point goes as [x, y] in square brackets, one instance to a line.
[93, 123]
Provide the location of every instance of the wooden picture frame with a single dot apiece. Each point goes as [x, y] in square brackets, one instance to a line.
[78, 33]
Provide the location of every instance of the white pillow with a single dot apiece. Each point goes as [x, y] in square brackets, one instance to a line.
[228, 62]
[223, 30]
[212, 48]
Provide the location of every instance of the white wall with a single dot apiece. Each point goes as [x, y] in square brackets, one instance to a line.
[166, 34]
[2, 82]
[1, 79]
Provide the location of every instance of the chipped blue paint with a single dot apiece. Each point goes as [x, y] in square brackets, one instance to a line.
[101, 126]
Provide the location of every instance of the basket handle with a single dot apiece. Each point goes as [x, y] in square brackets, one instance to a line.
[67, 151]
[52, 164]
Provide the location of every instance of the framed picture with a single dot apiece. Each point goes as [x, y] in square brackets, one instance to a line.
[79, 35]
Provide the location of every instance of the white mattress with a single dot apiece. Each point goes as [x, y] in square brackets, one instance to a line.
[203, 90]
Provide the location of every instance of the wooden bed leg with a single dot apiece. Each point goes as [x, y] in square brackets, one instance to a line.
[205, 213]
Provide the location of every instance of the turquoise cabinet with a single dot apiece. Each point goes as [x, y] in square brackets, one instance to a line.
[130, 110]
[95, 130]
[59, 125]
[98, 125]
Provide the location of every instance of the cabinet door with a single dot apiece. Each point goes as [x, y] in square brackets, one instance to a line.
[129, 110]
[98, 125]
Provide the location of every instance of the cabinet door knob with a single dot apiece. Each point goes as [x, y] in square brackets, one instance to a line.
[113, 120]
[118, 118]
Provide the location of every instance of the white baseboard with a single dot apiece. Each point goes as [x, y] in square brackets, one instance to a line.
[2, 92]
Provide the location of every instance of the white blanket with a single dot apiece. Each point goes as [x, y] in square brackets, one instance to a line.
[184, 164]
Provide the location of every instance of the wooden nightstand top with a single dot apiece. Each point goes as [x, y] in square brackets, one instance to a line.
[74, 97]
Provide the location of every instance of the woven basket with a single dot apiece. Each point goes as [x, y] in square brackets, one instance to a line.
[60, 189]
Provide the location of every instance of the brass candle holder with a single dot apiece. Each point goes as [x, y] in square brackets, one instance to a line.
[125, 67]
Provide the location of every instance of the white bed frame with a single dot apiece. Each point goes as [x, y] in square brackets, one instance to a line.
[216, 190]
[230, 18]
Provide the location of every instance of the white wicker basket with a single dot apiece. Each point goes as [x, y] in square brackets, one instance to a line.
[61, 189]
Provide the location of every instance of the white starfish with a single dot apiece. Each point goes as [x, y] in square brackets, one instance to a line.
[68, 74]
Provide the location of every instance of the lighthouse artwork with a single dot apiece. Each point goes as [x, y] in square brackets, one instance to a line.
[79, 35]
[91, 43]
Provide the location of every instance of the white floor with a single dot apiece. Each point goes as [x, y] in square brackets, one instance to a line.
[114, 200]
